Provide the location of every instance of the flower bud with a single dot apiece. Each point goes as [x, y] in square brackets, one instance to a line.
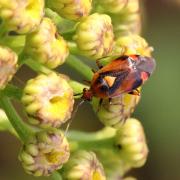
[113, 6]
[44, 153]
[131, 140]
[128, 19]
[21, 16]
[132, 44]
[116, 112]
[8, 65]
[46, 46]
[48, 100]
[94, 36]
[84, 165]
[114, 166]
[71, 9]
[126, 23]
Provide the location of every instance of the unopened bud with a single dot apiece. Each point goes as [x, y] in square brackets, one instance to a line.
[8, 65]
[94, 36]
[116, 112]
[84, 165]
[131, 141]
[46, 46]
[71, 9]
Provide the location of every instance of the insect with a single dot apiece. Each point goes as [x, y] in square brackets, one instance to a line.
[122, 75]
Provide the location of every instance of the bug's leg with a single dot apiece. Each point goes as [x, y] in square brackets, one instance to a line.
[110, 100]
[135, 92]
[88, 82]
[78, 94]
[93, 70]
[99, 105]
[98, 63]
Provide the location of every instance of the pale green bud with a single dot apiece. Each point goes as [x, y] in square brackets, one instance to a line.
[128, 19]
[44, 153]
[71, 9]
[8, 65]
[94, 36]
[83, 165]
[21, 16]
[113, 6]
[46, 45]
[116, 112]
[48, 100]
[131, 141]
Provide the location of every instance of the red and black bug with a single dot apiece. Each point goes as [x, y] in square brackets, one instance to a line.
[122, 75]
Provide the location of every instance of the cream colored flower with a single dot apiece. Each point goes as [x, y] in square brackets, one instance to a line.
[44, 153]
[46, 45]
[48, 100]
[8, 65]
[21, 16]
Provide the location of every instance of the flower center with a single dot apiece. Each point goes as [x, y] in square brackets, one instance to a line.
[96, 176]
[55, 99]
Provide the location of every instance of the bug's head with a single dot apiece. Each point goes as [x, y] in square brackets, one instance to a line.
[87, 94]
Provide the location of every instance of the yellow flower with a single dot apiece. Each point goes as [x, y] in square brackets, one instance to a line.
[21, 16]
[44, 153]
[8, 65]
[94, 36]
[71, 9]
[46, 46]
[48, 100]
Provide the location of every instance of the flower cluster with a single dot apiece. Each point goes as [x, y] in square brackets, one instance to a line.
[44, 36]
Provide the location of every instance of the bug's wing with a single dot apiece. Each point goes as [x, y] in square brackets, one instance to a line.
[119, 78]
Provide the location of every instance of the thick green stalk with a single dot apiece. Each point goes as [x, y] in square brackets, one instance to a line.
[23, 131]
[12, 91]
[92, 141]
[80, 67]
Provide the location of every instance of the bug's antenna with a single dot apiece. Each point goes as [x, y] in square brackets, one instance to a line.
[72, 117]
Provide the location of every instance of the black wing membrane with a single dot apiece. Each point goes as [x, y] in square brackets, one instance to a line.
[120, 76]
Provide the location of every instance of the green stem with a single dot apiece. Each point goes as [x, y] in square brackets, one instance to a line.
[2, 31]
[92, 145]
[73, 48]
[37, 67]
[23, 131]
[80, 67]
[56, 176]
[92, 141]
[12, 91]
[63, 25]
[77, 87]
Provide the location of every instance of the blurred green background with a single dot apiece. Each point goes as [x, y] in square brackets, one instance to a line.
[159, 110]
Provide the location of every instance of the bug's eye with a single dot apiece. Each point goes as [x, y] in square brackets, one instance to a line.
[104, 88]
